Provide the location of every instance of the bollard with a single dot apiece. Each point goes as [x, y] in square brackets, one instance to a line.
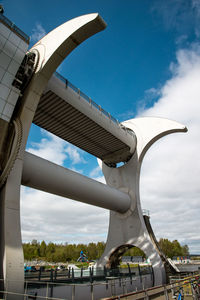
[51, 275]
[106, 284]
[39, 274]
[91, 278]
[105, 272]
[72, 274]
[69, 272]
[130, 275]
[55, 274]
[140, 273]
[152, 275]
[120, 282]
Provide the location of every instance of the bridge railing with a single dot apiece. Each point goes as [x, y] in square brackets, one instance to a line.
[111, 286]
[89, 274]
[92, 103]
[187, 287]
[125, 288]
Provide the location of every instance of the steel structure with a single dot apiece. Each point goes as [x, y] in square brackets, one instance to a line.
[52, 103]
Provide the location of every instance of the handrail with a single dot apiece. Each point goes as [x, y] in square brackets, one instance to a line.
[92, 103]
[157, 291]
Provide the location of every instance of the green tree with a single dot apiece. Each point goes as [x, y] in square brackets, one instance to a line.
[134, 251]
[166, 247]
[100, 249]
[43, 247]
[71, 252]
[92, 251]
[50, 249]
[173, 248]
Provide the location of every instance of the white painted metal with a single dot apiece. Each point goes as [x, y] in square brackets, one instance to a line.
[44, 175]
[51, 51]
[129, 228]
[127, 141]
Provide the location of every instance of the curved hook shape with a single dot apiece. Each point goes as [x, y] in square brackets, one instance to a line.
[130, 228]
[53, 48]
[57, 44]
[149, 129]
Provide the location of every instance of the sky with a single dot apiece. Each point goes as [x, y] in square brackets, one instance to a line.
[145, 63]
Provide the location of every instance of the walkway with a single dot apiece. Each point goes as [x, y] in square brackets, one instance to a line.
[68, 113]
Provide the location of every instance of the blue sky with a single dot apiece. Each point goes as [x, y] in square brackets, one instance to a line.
[120, 59]
[146, 62]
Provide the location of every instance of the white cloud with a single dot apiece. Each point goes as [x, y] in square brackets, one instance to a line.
[196, 6]
[38, 32]
[95, 172]
[52, 218]
[74, 154]
[56, 150]
[180, 16]
[50, 147]
[170, 174]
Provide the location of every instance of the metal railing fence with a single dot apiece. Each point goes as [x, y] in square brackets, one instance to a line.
[188, 287]
[92, 290]
[92, 103]
[89, 274]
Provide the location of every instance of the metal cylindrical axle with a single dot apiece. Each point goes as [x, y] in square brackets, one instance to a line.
[46, 176]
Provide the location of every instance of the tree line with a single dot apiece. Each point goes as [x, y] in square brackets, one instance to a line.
[61, 253]
[71, 252]
[173, 248]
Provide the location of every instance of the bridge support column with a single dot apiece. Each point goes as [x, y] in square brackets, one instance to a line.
[129, 229]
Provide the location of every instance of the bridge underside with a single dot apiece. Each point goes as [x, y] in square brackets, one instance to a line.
[60, 117]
